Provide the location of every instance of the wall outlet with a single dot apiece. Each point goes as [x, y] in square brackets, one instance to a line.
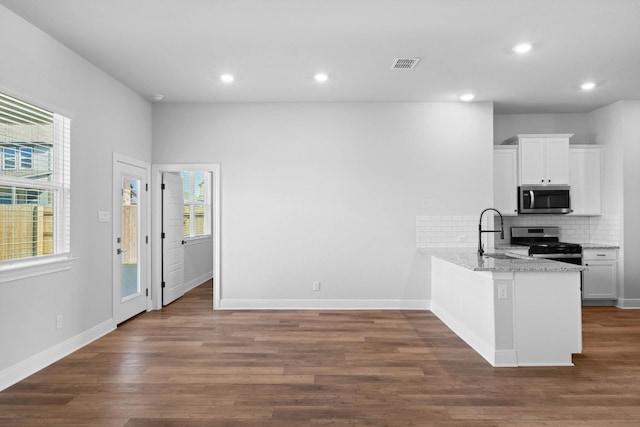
[59, 321]
[502, 292]
[316, 286]
[103, 216]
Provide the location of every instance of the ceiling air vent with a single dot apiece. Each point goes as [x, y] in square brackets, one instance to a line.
[405, 63]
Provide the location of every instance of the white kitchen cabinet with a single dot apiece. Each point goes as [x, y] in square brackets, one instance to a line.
[585, 171]
[599, 282]
[543, 158]
[505, 179]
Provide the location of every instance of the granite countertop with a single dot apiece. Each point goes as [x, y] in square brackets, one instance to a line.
[598, 246]
[473, 262]
[508, 246]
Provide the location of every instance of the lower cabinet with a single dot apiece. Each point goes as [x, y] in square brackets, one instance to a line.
[599, 282]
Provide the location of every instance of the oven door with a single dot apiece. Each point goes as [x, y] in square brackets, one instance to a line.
[549, 199]
[568, 258]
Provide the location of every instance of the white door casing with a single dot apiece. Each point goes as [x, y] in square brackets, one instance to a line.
[156, 241]
[131, 251]
[172, 238]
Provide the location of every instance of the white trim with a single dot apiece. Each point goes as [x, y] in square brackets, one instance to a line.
[326, 304]
[628, 303]
[35, 267]
[30, 366]
[197, 281]
[506, 359]
[156, 226]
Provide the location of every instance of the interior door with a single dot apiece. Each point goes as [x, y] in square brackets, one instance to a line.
[172, 238]
[130, 276]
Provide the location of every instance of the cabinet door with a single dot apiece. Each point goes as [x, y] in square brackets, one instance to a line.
[532, 161]
[557, 161]
[584, 178]
[600, 281]
[505, 180]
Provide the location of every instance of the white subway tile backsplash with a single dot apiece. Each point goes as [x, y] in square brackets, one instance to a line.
[460, 232]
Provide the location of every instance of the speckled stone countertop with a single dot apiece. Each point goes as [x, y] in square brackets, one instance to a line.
[473, 262]
[507, 246]
[598, 246]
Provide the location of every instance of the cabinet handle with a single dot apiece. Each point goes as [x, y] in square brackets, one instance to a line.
[601, 255]
[542, 180]
[549, 180]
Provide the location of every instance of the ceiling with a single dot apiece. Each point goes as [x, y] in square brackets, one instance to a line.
[179, 48]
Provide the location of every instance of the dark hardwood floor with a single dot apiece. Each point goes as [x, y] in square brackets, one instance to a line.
[189, 366]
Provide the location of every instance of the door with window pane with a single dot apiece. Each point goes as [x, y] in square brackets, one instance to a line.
[130, 224]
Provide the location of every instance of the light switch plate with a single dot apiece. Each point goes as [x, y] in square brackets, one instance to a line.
[103, 216]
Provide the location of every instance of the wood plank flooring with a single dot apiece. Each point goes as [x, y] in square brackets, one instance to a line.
[189, 366]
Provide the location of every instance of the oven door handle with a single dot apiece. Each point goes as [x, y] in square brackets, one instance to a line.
[555, 255]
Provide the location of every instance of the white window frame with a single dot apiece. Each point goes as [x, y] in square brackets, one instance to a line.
[60, 187]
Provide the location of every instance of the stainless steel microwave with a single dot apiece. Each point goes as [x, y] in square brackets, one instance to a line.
[544, 199]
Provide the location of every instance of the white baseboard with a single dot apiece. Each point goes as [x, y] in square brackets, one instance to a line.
[628, 303]
[30, 366]
[198, 281]
[326, 304]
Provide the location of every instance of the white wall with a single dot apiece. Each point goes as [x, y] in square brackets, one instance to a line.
[631, 119]
[107, 117]
[330, 192]
[507, 125]
[198, 262]
[617, 128]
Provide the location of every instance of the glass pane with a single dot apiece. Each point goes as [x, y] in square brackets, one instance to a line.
[130, 226]
[26, 222]
[199, 219]
[199, 186]
[186, 185]
[187, 221]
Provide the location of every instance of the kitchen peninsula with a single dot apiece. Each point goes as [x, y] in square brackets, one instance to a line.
[513, 310]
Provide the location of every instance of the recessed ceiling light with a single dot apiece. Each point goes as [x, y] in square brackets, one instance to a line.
[587, 86]
[467, 97]
[227, 78]
[522, 48]
[321, 77]
[157, 97]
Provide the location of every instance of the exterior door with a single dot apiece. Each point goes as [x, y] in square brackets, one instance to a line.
[130, 273]
[172, 238]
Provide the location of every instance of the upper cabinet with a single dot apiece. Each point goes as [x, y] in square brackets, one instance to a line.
[543, 158]
[584, 178]
[505, 179]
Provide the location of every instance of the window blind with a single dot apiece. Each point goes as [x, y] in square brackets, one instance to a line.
[35, 192]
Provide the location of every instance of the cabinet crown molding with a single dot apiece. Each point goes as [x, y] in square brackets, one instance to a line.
[515, 139]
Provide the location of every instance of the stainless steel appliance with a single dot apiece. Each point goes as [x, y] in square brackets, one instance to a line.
[544, 199]
[544, 242]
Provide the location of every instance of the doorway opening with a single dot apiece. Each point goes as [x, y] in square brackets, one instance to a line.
[166, 253]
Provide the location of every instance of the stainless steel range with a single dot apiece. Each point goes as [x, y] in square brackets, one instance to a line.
[544, 242]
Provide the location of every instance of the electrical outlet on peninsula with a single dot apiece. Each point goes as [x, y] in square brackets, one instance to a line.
[316, 286]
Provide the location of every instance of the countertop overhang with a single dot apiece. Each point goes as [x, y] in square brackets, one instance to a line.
[474, 262]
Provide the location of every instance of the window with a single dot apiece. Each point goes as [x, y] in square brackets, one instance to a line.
[197, 203]
[34, 181]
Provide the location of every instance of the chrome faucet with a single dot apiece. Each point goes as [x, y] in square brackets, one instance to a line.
[480, 230]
